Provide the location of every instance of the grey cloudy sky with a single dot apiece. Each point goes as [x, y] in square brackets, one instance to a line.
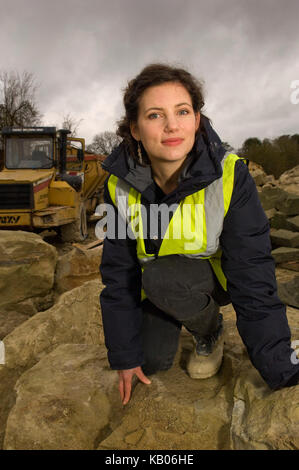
[83, 52]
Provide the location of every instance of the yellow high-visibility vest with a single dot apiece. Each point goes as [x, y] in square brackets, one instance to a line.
[196, 225]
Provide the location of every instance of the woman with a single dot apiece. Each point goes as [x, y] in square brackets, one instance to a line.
[191, 236]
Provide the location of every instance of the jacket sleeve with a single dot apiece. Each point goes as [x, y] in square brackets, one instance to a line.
[250, 271]
[120, 298]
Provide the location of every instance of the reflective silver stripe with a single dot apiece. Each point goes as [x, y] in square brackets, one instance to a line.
[122, 197]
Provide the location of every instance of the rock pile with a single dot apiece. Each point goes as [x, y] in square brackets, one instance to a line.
[280, 200]
[58, 392]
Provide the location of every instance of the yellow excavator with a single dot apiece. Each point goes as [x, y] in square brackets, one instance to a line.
[48, 181]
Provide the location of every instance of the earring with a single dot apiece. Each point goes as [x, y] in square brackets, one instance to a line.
[139, 153]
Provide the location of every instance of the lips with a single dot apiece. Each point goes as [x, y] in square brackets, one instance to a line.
[172, 142]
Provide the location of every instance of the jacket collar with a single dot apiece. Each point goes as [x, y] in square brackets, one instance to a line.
[202, 165]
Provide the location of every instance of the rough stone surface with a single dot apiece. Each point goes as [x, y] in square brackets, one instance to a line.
[32, 305]
[8, 379]
[270, 196]
[270, 213]
[290, 180]
[63, 402]
[75, 318]
[289, 205]
[9, 321]
[280, 221]
[77, 266]
[291, 265]
[259, 176]
[283, 254]
[293, 223]
[283, 237]
[288, 290]
[263, 419]
[27, 266]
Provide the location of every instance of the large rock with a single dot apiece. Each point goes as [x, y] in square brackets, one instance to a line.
[263, 419]
[284, 238]
[64, 402]
[294, 223]
[27, 266]
[290, 180]
[278, 197]
[76, 267]
[289, 205]
[288, 290]
[76, 318]
[284, 254]
[291, 265]
[279, 220]
[259, 175]
[271, 196]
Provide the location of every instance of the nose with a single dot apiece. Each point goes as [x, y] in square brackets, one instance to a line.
[171, 123]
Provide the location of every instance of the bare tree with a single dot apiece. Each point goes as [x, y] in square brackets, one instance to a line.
[17, 100]
[71, 123]
[104, 143]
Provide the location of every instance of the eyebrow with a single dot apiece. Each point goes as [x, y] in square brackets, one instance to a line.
[161, 109]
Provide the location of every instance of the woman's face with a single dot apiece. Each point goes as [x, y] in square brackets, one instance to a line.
[166, 123]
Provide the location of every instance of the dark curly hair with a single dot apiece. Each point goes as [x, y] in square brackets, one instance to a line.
[153, 75]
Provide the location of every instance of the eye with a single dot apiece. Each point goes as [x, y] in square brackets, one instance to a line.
[153, 115]
[183, 112]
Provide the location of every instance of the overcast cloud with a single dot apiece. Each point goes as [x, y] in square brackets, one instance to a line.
[83, 52]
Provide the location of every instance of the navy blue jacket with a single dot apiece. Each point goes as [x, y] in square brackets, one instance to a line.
[246, 262]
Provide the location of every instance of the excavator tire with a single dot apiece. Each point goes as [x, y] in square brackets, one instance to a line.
[77, 230]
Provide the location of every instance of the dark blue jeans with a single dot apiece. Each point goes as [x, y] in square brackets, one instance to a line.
[180, 291]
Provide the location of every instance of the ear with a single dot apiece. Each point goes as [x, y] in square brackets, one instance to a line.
[135, 131]
[197, 121]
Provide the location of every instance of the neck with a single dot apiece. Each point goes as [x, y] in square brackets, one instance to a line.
[166, 174]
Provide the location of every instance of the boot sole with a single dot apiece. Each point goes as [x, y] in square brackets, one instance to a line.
[211, 372]
[206, 376]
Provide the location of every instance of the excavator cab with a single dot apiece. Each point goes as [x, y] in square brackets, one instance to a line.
[29, 148]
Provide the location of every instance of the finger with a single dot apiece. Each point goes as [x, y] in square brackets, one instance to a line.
[143, 377]
[127, 390]
[121, 387]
